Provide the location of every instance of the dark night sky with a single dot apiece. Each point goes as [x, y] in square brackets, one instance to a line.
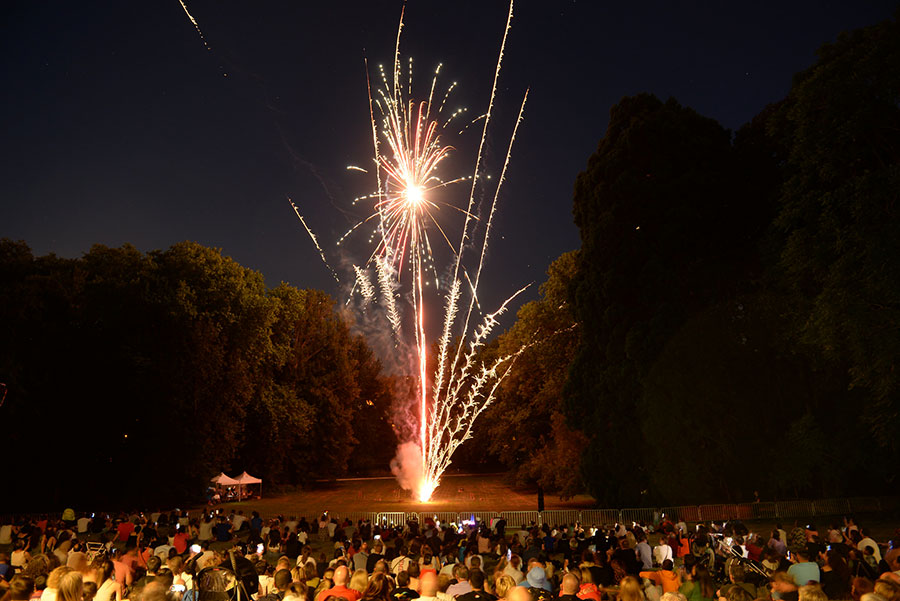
[119, 126]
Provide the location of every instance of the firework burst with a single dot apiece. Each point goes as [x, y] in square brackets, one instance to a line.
[409, 154]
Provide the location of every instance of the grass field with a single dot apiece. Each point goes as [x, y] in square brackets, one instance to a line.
[483, 492]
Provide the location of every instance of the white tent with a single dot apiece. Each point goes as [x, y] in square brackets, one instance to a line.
[223, 480]
[245, 479]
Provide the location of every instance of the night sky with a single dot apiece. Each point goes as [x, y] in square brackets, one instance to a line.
[119, 126]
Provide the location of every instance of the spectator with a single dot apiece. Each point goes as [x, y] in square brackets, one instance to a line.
[630, 589]
[868, 541]
[103, 572]
[803, 570]
[476, 581]
[21, 588]
[403, 592]
[379, 588]
[835, 576]
[71, 588]
[340, 589]
[428, 587]
[642, 551]
[358, 581]
[512, 569]
[51, 590]
[697, 584]
[280, 582]
[811, 592]
[662, 551]
[569, 588]
[462, 585]
[665, 578]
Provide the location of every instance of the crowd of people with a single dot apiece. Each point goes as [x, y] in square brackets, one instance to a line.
[219, 556]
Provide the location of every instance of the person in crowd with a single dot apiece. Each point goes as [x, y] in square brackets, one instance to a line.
[403, 591]
[281, 580]
[21, 588]
[811, 592]
[666, 578]
[697, 584]
[71, 587]
[428, 586]
[103, 575]
[630, 589]
[379, 588]
[341, 578]
[502, 585]
[662, 551]
[476, 581]
[803, 570]
[462, 586]
[358, 581]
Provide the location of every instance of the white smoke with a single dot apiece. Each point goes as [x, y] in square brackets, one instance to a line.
[407, 465]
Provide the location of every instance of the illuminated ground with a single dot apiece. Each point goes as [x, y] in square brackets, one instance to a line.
[456, 493]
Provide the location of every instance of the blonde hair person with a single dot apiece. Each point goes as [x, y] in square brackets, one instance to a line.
[812, 592]
[503, 584]
[71, 587]
[358, 581]
[50, 592]
[630, 589]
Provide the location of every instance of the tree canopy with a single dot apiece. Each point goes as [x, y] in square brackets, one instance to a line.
[146, 374]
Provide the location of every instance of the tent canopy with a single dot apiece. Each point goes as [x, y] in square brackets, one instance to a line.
[246, 478]
[224, 480]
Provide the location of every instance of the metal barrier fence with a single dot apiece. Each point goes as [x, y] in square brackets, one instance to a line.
[683, 513]
[794, 509]
[444, 517]
[832, 506]
[396, 518]
[863, 504]
[599, 517]
[516, 519]
[559, 517]
[646, 515]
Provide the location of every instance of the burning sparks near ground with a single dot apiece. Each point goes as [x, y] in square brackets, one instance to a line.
[410, 191]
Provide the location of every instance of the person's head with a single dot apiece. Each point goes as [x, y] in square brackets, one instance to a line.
[379, 587]
[358, 581]
[630, 589]
[154, 591]
[668, 565]
[519, 593]
[783, 582]
[738, 593]
[475, 562]
[476, 579]
[176, 564]
[886, 589]
[71, 586]
[503, 584]
[296, 591]
[461, 572]
[282, 579]
[103, 569]
[341, 576]
[153, 564]
[378, 547]
[569, 584]
[861, 586]
[403, 579]
[57, 574]
[309, 571]
[89, 591]
[738, 572]
[413, 569]
[428, 584]
[20, 588]
[811, 592]
[672, 597]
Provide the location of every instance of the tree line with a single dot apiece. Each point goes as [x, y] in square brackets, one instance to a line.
[134, 377]
[737, 301]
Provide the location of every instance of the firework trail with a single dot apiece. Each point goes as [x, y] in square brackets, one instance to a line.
[196, 25]
[408, 152]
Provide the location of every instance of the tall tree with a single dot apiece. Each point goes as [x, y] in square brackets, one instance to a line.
[665, 229]
[840, 213]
